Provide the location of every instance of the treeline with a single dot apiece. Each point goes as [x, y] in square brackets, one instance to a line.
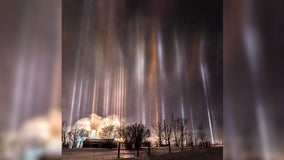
[178, 131]
[165, 132]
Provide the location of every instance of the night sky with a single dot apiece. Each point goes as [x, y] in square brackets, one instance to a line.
[143, 60]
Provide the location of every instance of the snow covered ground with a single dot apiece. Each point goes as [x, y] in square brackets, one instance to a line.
[214, 153]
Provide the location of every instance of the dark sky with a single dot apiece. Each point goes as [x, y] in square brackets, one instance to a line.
[143, 60]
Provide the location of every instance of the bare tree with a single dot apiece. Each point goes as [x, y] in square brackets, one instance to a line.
[189, 138]
[184, 127]
[176, 131]
[64, 130]
[168, 128]
[158, 129]
[136, 134]
[79, 131]
[201, 132]
[69, 139]
[75, 132]
[121, 133]
[180, 127]
[108, 132]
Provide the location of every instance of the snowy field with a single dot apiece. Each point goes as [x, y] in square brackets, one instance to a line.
[214, 153]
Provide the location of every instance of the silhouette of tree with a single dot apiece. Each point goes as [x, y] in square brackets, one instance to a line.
[107, 132]
[168, 128]
[183, 129]
[189, 138]
[176, 131]
[136, 134]
[180, 127]
[64, 130]
[75, 132]
[201, 132]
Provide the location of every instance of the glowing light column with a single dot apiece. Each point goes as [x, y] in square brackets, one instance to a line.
[205, 89]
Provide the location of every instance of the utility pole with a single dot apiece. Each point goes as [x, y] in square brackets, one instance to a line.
[118, 150]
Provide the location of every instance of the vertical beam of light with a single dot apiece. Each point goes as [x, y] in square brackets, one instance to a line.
[163, 108]
[115, 97]
[123, 96]
[207, 103]
[231, 139]
[120, 93]
[90, 97]
[123, 93]
[157, 117]
[72, 102]
[105, 95]
[94, 97]
[182, 108]
[112, 95]
[205, 90]
[251, 40]
[210, 125]
[80, 43]
[29, 88]
[140, 73]
[143, 112]
[192, 123]
[83, 69]
[124, 105]
[90, 89]
[156, 65]
[79, 101]
[161, 70]
[253, 47]
[97, 95]
[178, 70]
[107, 98]
[86, 96]
[18, 90]
[56, 93]
[161, 56]
[262, 125]
[178, 58]
[214, 125]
